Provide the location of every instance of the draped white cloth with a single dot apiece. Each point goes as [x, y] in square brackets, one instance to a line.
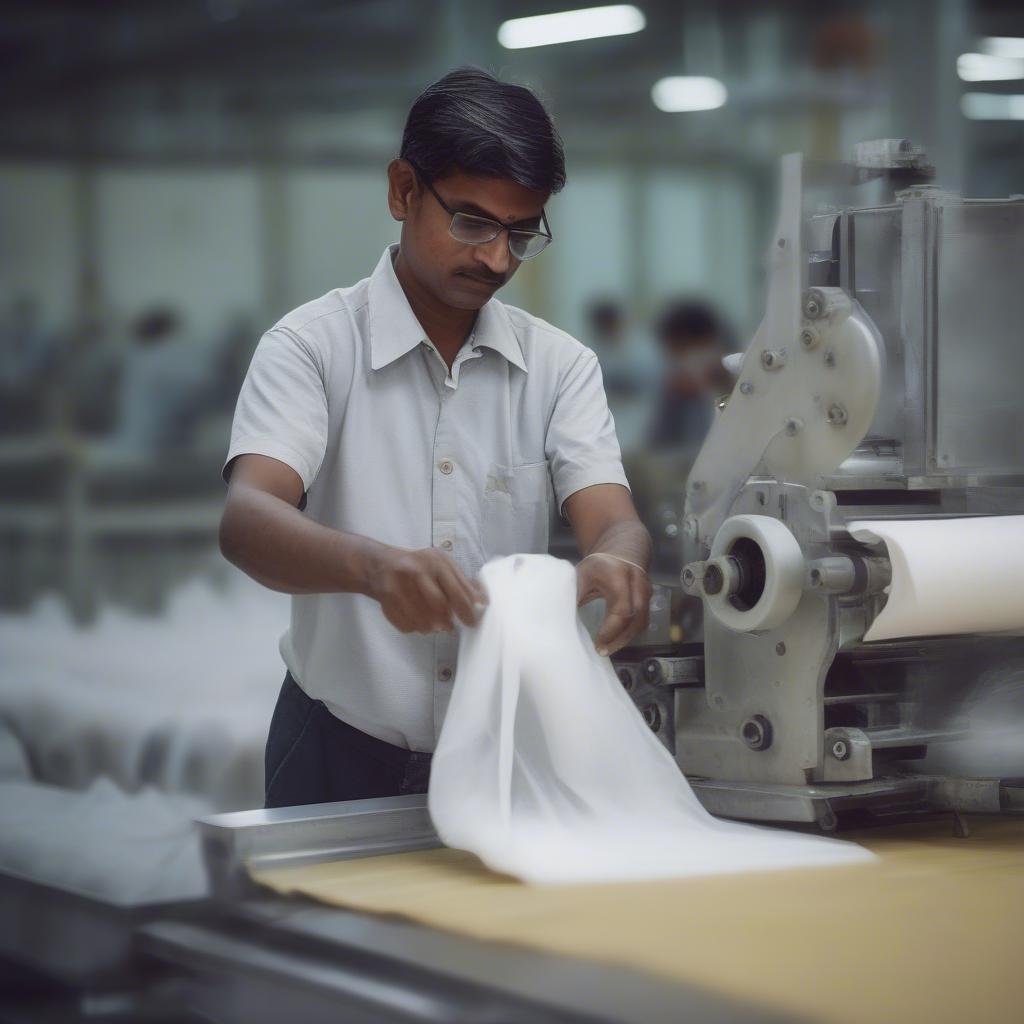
[546, 770]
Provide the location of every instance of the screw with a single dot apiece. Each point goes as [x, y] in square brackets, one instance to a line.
[793, 426]
[671, 531]
[814, 304]
[840, 750]
[780, 648]
[837, 415]
[808, 337]
[746, 387]
[689, 578]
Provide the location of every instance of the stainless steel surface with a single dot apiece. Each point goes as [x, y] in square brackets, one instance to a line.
[233, 843]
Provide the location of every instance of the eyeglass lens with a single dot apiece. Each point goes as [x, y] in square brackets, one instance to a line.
[472, 230]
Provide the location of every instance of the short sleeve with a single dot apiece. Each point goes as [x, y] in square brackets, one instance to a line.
[581, 445]
[282, 407]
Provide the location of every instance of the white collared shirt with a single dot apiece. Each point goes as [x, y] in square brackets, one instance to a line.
[348, 391]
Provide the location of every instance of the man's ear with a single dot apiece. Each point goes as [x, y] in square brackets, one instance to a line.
[402, 186]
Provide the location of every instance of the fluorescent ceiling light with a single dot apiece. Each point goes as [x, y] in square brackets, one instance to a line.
[1003, 46]
[683, 93]
[983, 67]
[570, 26]
[992, 106]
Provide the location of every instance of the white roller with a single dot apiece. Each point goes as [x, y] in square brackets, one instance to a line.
[784, 573]
[949, 575]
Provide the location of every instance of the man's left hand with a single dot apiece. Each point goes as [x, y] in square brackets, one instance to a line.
[626, 589]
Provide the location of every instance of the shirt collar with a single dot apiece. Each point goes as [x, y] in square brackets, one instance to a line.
[394, 329]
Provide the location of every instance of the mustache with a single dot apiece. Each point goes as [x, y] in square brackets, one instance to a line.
[485, 278]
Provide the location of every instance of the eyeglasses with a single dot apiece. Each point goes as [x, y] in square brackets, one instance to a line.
[473, 230]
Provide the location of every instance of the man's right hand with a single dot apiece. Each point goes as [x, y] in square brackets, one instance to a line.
[420, 591]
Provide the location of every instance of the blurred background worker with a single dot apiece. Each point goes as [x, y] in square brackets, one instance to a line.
[692, 340]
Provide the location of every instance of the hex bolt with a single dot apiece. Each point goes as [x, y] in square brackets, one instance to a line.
[840, 750]
[773, 359]
[809, 338]
[837, 415]
[815, 304]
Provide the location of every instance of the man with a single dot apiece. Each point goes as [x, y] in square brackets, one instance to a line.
[393, 436]
[693, 340]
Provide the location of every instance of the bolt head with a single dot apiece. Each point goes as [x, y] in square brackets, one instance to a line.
[837, 415]
[840, 750]
[746, 387]
[808, 338]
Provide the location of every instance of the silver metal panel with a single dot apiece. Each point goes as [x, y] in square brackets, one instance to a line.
[234, 843]
[979, 363]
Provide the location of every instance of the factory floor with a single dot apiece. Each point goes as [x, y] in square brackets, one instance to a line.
[930, 932]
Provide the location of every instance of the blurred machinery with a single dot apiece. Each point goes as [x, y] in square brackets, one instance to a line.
[882, 385]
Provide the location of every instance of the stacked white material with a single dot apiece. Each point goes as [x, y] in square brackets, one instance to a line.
[180, 701]
[546, 770]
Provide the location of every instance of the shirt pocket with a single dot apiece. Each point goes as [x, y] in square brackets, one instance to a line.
[516, 509]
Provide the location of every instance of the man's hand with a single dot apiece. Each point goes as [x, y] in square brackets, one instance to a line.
[627, 590]
[419, 591]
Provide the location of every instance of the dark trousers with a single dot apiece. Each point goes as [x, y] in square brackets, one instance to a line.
[312, 757]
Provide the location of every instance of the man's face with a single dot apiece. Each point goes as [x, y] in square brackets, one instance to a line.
[457, 274]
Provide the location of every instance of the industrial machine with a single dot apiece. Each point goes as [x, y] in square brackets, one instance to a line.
[882, 385]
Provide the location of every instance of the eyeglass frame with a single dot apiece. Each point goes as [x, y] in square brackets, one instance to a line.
[487, 220]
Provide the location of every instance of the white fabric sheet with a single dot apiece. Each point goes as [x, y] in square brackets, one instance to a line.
[546, 770]
[950, 575]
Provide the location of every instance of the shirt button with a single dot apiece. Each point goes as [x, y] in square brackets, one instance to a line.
[445, 674]
[446, 466]
[447, 545]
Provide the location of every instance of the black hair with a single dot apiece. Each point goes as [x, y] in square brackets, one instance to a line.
[690, 320]
[470, 121]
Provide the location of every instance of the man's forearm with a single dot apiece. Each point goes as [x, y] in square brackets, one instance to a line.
[281, 548]
[627, 539]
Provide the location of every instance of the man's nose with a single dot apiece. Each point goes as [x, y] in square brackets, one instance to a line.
[495, 256]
